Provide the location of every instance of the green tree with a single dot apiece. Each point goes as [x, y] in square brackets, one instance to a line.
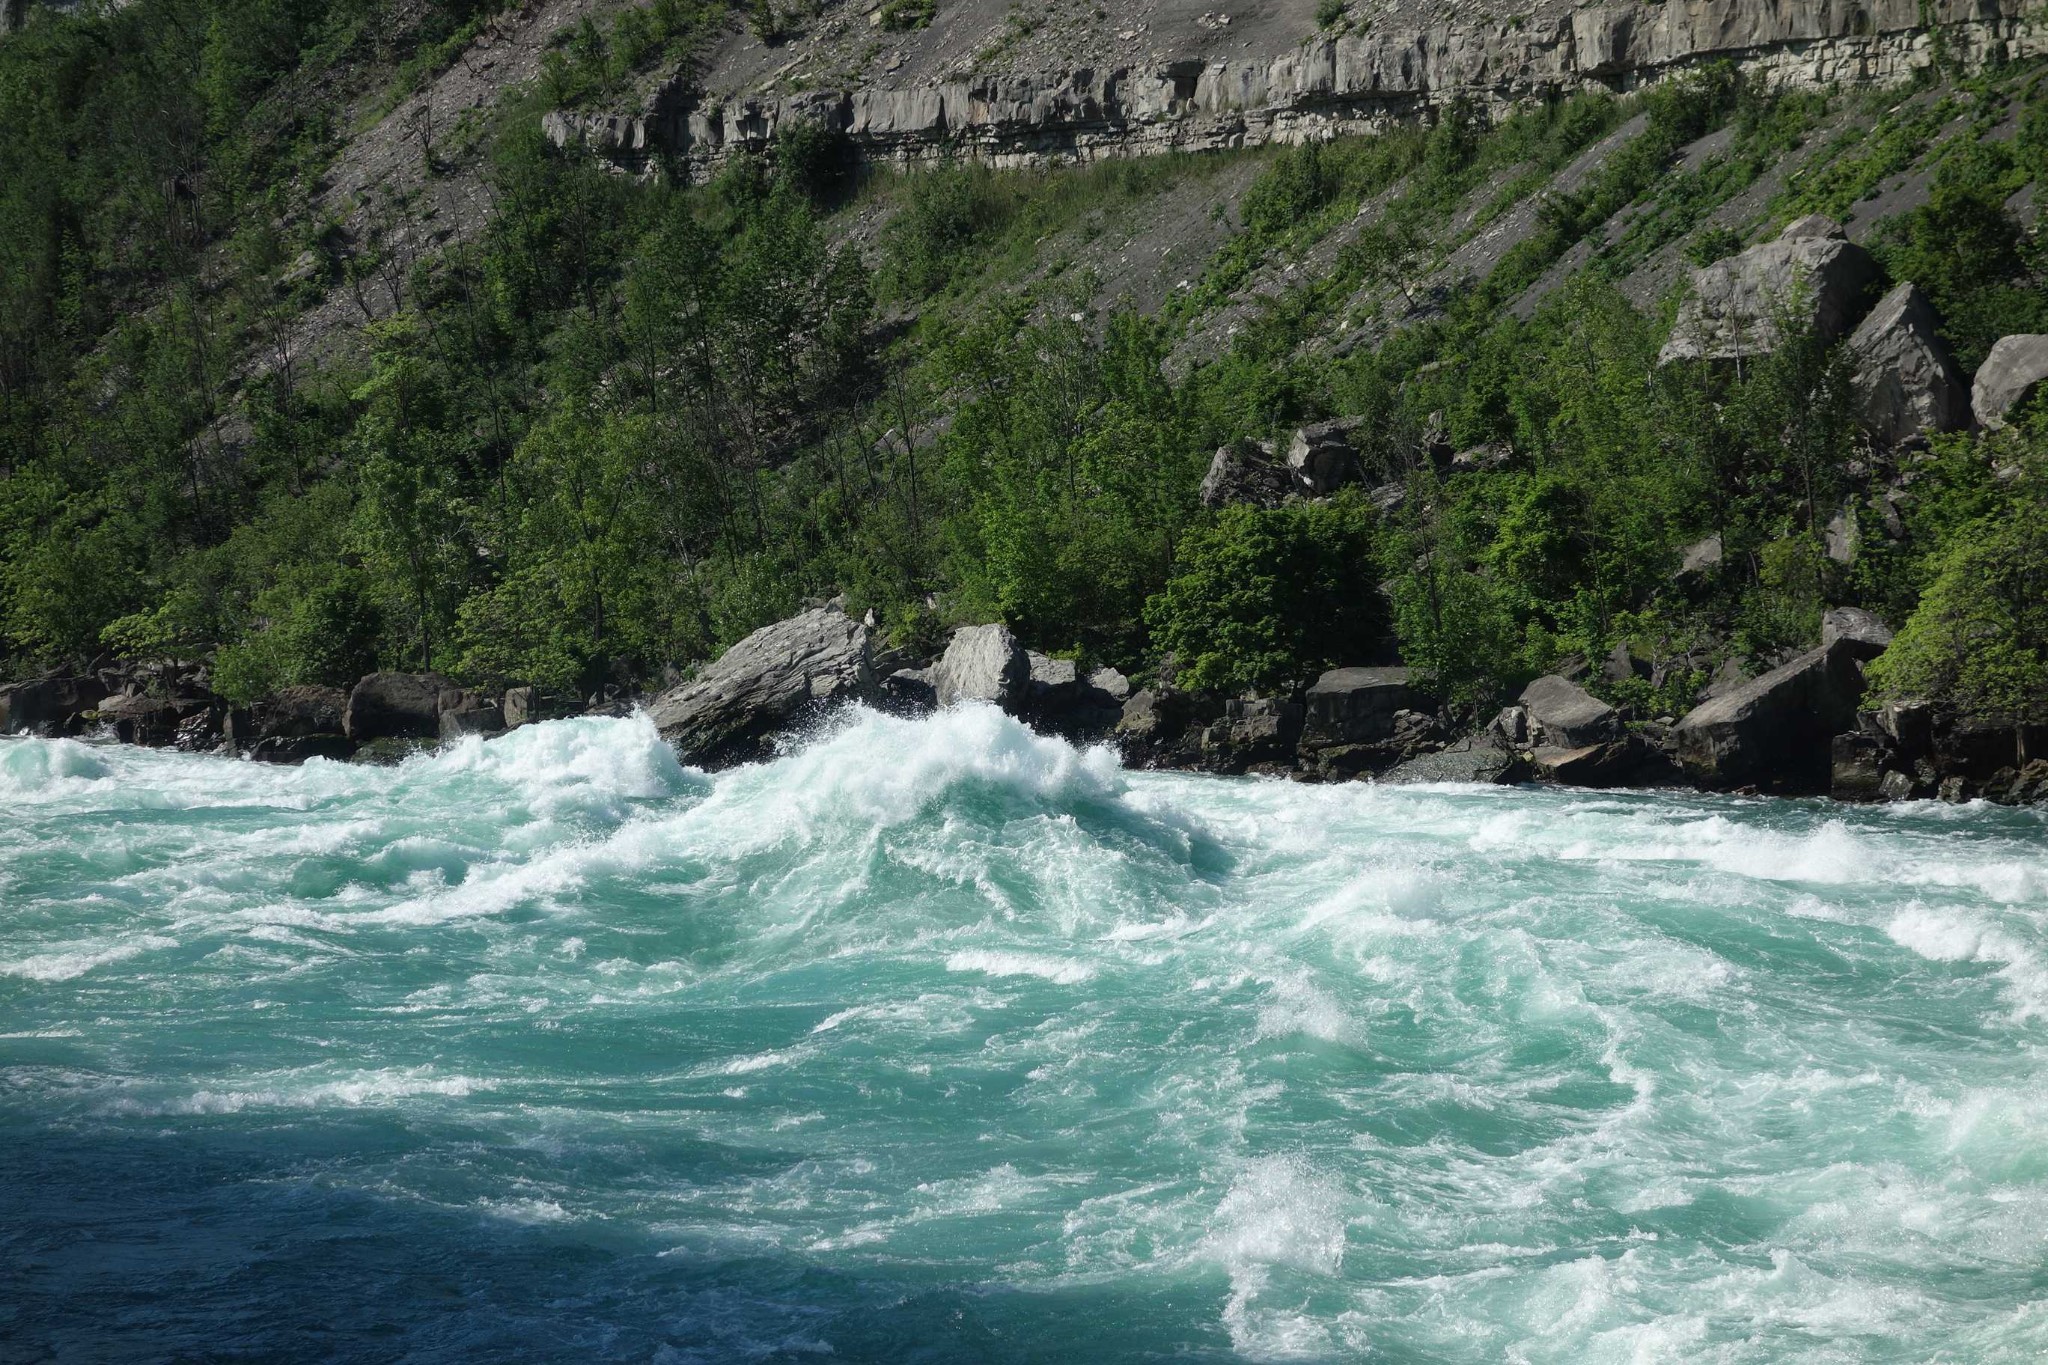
[1265, 599]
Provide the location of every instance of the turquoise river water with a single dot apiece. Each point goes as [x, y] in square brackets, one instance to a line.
[940, 1041]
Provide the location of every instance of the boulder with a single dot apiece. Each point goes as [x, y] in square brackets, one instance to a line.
[1621, 664]
[1611, 763]
[1476, 758]
[1906, 384]
[1864, 634]
[910, 690]
[1112, 684]
[1774, 732]
[399, 706]
[1244, 472]
[299, 748]
[1857, 762]
[1355, 706]
[49, 706]
[293, 713]
[1321, 457]
[1563, 715]
[1700, 558]
[767, 683]
[1253, 731]
[1733, 308]
[1053, 683]
[472, 720]
[2008, 378]
[983, 663]
[521, 706]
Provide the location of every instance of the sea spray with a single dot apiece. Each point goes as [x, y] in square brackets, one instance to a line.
[943, 1039]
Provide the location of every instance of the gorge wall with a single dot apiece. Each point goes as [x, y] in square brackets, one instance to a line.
[1399, 66]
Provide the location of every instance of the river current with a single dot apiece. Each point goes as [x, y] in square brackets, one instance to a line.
[937, 1040]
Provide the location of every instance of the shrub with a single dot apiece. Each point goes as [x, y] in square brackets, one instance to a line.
[1979, 638]
[1267, 598]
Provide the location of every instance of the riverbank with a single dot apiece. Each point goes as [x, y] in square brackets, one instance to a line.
[1800, 729]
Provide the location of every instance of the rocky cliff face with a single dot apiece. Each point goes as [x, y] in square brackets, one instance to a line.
[1395, 68]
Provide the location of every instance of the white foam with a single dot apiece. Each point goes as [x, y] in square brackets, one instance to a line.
[292, 1091]
[1940, 936]
[1058, 970]
[73, 962]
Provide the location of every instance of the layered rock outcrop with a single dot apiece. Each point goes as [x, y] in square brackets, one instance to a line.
[1405, 63]
[766, 684]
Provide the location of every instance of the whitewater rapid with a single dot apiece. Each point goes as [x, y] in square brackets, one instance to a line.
[941, 1040]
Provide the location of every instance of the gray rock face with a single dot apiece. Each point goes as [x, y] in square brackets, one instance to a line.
[1906, 384]
[768, 682]
[983, 663]
[1775, 731]
[1112, 684]
[1054, 682]
[1355, 706]
[400, 706]
[1322, 458]
[1098, 99]
[1563, 715]
[2009, 376]
[1734, 305]
[1244, 472]
[1861, 632]
[1701, 557]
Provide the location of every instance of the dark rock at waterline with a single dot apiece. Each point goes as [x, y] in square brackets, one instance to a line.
[158, 722]
[1857, 763]
[1355, 706]
[910, 691]
[400, 706]
[1252, 733]
[292, 713]
[1627, 761]
[299, 748]
[768, 683]
[472, 720]
[1774, 732]
[1479, 758]
[1163, 728]
[54, 705]
[521, 706]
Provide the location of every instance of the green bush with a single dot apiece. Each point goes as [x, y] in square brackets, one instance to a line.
[1979, 639]
[1265, 599]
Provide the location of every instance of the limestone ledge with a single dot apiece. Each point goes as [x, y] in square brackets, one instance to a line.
[1324, 87]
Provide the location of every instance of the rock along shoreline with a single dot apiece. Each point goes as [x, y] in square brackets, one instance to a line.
[1801, 729]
